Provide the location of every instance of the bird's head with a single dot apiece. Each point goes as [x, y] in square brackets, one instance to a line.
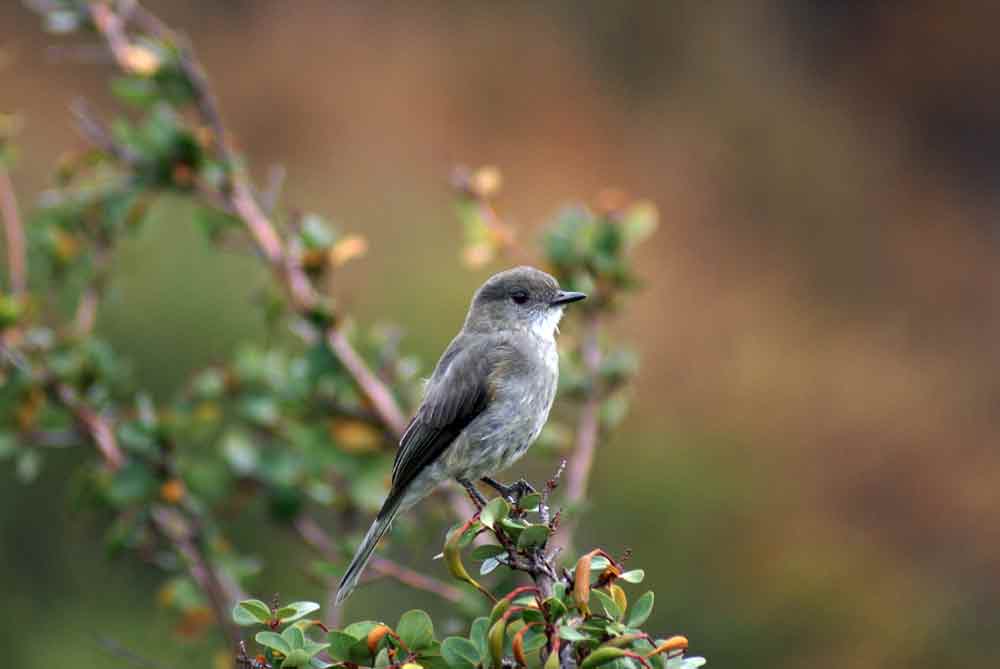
[522, 298]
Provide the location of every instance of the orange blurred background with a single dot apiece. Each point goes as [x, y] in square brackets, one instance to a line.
[816, 417]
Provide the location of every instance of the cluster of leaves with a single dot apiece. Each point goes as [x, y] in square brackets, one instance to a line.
[577, 617]
[286, 426]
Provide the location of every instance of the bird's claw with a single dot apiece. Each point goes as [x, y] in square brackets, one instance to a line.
[513, 492]
[477, 498]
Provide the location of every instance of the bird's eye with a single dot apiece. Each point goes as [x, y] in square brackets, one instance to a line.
[519, 296]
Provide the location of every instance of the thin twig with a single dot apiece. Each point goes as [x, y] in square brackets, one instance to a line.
[86, 308]
[222, 594]
[385, 567]
[117, 649]
[383, 403]
[316, 537]
[97, 134]
[94, 424]
[14, 231]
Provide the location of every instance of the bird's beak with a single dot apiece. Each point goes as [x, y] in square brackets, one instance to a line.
[565, 297]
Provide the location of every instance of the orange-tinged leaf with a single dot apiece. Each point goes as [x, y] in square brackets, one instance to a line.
[355, 436]
[140, 60]
[453, 559]
[673, 643]
[581, 583]
[375, 637]
[172, 491]
[486, 181]
[195, 621]
[621, 599]
[495, 639]
[518, 644]
[348, 248]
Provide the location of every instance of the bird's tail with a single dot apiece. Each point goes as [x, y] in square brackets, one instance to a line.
[383, 521]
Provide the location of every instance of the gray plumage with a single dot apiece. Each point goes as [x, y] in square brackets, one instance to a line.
[486, 401]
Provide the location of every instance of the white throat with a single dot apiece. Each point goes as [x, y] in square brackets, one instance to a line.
[547, 325]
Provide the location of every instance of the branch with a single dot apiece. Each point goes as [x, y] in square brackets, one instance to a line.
[413, 578]
[180, 531]
[95, 425]
[117, 649]
[14, 231]
[316, 537]
[222, 593]
[377, 392]
[238, 198]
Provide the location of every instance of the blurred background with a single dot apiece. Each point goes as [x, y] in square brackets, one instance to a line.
[816, 417]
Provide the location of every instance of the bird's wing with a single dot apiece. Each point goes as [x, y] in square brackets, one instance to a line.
[453, 400]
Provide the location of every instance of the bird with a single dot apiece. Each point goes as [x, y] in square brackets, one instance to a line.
[485, 403]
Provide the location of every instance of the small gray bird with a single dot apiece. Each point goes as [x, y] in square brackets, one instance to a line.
[486, 402]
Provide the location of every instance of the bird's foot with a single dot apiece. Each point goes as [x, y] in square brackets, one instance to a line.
[513, 492]
[477, 498]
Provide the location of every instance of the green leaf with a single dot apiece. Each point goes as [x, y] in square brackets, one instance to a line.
[568, 633]
[340, 645]
[530, 615]
[634, 576]
[477, 633]
[495, 641]
[530, 502]
[639, 223]
[460, 653]
[555, 608]
[488, 566]
[312, 648]
[513, 527]
[533, 536]
[251, 612]
[297, 658]
[487, 551]
[416, 629]
[641, 610]
[600, 656]
[360, 630]
[273, 640]
[295, 610]
[598, 564]
[359, 653]
[431, 661]
[138, 91]
[611, 608]
[495, 511]
[28, 466]
[685, 662]
[133, 482]
[295, 637]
